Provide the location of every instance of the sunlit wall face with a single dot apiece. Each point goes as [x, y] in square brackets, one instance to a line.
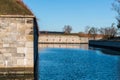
[16, 41]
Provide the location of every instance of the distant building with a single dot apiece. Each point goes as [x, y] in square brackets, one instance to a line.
[18, 35]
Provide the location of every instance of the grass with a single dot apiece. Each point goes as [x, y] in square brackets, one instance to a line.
[13, 7]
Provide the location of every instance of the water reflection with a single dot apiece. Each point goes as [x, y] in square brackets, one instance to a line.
[81, 46]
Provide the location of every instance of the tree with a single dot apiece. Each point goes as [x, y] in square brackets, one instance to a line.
[67, 29]
[93, 32]
[87, 28]
[109, 32]
[113, 31]
[116, 7]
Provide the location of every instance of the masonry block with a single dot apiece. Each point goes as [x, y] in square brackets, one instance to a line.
[29, 44]
[21, 50]
[30, 63]
[5, 45]
[29, 38]
[1, 45]
[20, 44]
[21, 62]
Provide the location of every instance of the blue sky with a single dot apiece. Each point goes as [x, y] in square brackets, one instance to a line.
[52, 15]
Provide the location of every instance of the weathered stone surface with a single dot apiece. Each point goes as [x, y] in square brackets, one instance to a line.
[8, 58]
[3, 50]
[29, 50]
[16, 42]
[29, 54]
[29, 20]
[1, 62]
[61, 38]
[5, 45]
[20, 62]
[1, 56]
[9, 64]
[19, 55]
[20, 44]
[27, 31]
[29, 38]
[7, 54]
[29, 63]
[21, 38]
[13, 45]
[1, 45]
[21, 29]
[13, 27]
[29, 44]
[20, 50]
[14, 61]
[2, 65]
[13, 50]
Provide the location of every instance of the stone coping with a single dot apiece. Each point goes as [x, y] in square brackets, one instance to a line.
[17, 16]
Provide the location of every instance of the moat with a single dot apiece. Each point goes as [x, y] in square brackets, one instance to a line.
[78, 64]
[74, 62]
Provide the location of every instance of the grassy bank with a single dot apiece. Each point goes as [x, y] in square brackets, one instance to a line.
[13, 7]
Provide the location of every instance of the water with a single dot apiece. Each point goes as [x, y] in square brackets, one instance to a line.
[78, 64]
[82, 46]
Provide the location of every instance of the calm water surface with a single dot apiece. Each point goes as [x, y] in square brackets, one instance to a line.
[78, 64]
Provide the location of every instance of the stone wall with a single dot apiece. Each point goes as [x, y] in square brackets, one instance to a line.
[16, 41]
[61, 38]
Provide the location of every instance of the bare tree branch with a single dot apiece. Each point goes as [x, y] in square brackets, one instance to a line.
[116, 7]
[67, 29]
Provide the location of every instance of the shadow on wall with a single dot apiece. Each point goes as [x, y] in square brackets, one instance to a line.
[36, 35]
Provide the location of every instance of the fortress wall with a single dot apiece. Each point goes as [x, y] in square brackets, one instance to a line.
[16, 41]
[57, 38]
